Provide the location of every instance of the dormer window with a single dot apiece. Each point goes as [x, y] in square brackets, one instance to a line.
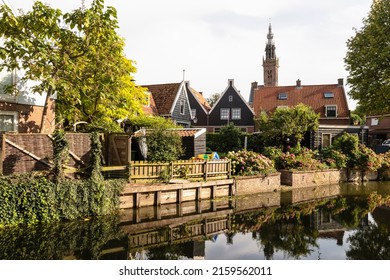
[328, 94]
[282, 96]
[331, 111]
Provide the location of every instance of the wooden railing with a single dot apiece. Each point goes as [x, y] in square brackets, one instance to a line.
[183, 169]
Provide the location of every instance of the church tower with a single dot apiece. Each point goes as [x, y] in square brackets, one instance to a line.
[271, 62]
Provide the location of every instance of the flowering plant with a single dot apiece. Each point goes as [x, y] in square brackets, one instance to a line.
[367, 159]
[333, 158]
[250, 163]
[386, 160]
[302, 159]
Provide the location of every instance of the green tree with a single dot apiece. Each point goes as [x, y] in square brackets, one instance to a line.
[287, 123]
[368, 60]
[77, 56]
[213, 99]
[229, 138]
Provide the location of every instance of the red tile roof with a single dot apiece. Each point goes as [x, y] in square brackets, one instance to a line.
[266, 98]
[164, 96]
[201, 99]
[150, 110]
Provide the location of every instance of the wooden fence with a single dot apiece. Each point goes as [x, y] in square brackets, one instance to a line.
[183, 169]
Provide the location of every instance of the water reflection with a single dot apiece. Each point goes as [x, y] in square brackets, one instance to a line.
[330, 222]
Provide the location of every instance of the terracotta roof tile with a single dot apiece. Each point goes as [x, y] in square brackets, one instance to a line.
[164, 96]
[201, 99]
[150, 110]
[266, 98]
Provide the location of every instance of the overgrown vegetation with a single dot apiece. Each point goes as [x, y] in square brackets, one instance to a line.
[46, 197]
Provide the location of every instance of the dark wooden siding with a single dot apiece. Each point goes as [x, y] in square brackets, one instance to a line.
[179, 118]
[201, 115]
[246, 114]
[194, 146]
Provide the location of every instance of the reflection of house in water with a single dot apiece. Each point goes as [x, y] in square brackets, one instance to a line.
[327, 225]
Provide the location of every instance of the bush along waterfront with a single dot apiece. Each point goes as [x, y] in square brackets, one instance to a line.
[42, 197]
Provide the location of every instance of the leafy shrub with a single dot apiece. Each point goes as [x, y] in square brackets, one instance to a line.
[164, 145]
[386, 160]
[302, 159]
[367, 159]
[250, 163]
[333, 158]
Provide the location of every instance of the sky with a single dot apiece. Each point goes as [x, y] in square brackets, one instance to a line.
[218, 40]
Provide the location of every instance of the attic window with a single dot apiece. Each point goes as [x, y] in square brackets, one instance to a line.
[230, 98]
[328, 94]
[331, 111]
[182, 107]
[282, 96]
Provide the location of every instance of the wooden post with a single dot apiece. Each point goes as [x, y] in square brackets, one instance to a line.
[179, 196]
[205, 170]
[158, 198]
[229, 169]
[171, 170]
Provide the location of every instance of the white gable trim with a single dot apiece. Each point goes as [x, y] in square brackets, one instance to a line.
[181, 87]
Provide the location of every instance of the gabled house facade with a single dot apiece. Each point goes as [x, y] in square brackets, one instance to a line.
[199, 107]
[23, 112]
[329, 101]
[231, 107]
[171, 101]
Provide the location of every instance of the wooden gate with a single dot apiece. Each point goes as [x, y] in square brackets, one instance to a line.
[119, 150]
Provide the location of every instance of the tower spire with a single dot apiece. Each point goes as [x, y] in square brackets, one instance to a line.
[271, 62]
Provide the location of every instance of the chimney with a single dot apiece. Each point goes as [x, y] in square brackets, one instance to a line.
[254, 84]
[298, 83]
[200, 92]
[340, 82]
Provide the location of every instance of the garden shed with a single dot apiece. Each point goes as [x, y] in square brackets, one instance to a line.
[193, 141]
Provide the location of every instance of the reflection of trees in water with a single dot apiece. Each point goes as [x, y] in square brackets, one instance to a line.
[80, 240]
[291, 228]
[290, 236]
[370, 242]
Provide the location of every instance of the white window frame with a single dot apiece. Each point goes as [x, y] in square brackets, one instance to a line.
[282, 96]
[16, 118]
[182, 107]
[224, 113]
[236, 116]
[193, 113]
[328, 95]
[230, 98]
[327, 107]
[374, 121]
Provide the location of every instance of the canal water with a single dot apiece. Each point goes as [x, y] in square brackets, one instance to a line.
[335, 222]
